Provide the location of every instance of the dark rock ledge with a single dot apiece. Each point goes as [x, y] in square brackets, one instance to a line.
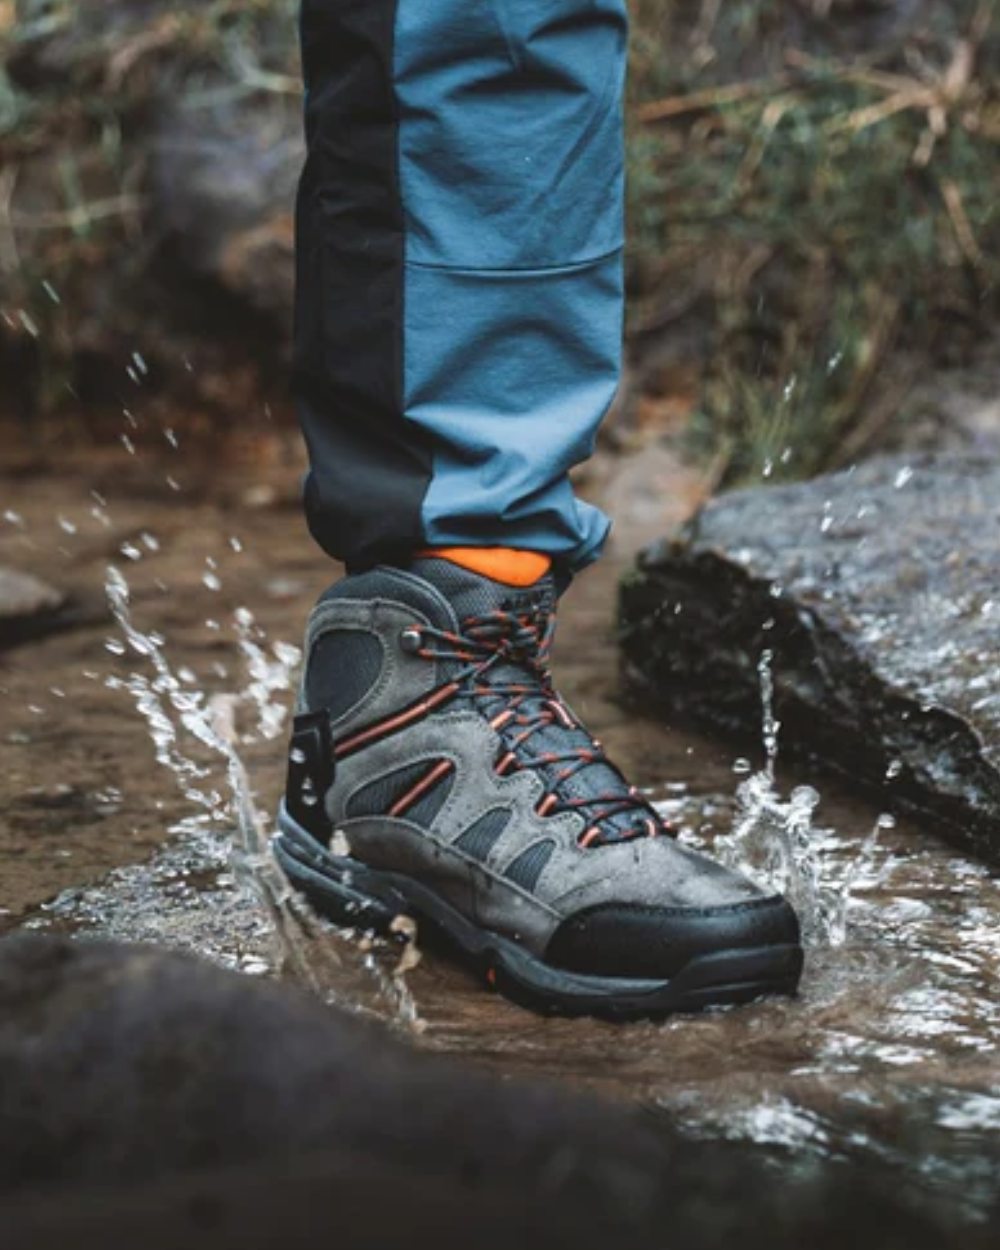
[150, 1100]
[878, 592]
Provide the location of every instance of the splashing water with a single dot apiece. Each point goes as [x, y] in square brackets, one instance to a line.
[267, 677]
[208, 890]
[897, 1025]
[776, 843]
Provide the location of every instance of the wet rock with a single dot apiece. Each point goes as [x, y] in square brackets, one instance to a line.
[31, 608]
[22, 595]
[154, 1095]
[192, 264]
[878, 592]
[28, 606]
[130, 1062]
[223, 183]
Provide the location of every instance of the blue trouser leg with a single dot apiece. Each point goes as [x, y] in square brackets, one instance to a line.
[460, 292]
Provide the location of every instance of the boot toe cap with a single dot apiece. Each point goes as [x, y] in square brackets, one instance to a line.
[642, 940]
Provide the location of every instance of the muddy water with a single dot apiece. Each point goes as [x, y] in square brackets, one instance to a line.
[125, 740]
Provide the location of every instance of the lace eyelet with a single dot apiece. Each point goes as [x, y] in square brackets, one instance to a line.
[411, 640]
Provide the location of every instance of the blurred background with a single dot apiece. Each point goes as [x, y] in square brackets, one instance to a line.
[813, 263]
[814, 191]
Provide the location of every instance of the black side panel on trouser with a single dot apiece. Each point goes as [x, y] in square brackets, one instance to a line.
[369, 466]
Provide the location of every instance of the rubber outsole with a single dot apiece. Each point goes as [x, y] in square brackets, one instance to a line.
[355, 896]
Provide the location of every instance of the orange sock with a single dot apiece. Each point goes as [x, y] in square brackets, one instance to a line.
[502, 564]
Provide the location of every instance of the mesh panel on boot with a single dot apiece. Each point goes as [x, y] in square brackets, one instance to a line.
[527, 868]
[479, 838]
[427, 807]
[375, 798]
[343, 666]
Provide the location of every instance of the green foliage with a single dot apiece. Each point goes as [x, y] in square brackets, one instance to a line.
[819, 198]
[831, 206]
[81, 82]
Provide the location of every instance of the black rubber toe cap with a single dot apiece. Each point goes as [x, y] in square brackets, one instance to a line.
[633, 940]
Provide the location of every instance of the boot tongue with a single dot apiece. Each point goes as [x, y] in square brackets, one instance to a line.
[471, 595]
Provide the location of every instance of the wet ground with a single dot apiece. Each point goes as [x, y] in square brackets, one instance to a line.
[123, 740]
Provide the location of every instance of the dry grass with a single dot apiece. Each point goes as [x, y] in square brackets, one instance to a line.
[828, 205]
[813, 196]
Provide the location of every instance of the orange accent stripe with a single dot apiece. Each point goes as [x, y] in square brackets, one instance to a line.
[406, 801]
[589, 836]
[547, 804]
[561, 713]
[509, 565]
[402, 719]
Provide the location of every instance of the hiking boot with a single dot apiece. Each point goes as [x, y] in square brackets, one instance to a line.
[435, 773]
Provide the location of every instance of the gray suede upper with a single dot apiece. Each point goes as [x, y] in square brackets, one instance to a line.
[652, 871]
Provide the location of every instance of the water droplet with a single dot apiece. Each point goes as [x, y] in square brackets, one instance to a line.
[211, 581]
[902, 477]
[742, 766]
[893, 770]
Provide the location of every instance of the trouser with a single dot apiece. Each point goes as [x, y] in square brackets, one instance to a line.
[459, 271]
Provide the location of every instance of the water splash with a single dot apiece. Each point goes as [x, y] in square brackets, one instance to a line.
[215, 887]
[268, 677]
[774, 840]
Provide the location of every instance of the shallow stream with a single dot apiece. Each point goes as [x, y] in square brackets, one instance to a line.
[167, 717]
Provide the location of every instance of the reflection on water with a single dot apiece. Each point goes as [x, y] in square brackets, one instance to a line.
[891, 1047]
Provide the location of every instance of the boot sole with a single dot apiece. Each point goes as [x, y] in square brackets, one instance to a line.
[355, 896]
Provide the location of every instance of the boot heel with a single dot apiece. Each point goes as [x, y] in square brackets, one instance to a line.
[340, 888]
